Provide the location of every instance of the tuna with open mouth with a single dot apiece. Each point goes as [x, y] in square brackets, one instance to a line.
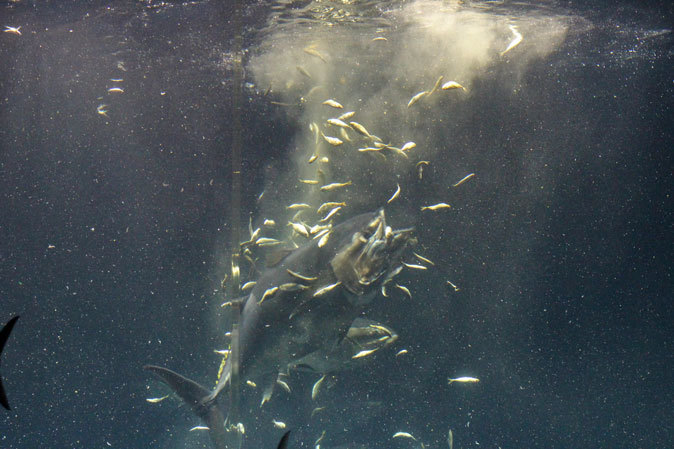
[303, 305]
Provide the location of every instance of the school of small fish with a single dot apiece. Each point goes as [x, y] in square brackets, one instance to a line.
[338, 132]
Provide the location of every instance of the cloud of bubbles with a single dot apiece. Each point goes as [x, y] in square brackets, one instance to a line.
[373, 62]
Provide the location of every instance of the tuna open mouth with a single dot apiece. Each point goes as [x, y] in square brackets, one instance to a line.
[373, 252]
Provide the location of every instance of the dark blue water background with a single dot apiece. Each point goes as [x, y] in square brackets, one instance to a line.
[561, 246]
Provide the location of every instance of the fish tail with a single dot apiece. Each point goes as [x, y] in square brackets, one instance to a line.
[202, 402]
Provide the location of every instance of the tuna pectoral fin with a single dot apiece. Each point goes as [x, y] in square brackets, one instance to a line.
[4, 336]
[199, 399]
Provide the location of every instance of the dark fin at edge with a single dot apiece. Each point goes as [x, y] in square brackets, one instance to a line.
[284, 441]
[199, 400]
[4, 333]
[4, 336]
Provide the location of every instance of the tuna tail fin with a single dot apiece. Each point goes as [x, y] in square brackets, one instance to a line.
[199, 399]
[4, 336]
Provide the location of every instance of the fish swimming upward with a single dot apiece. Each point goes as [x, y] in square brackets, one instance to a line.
[4, 336]
[280, 325]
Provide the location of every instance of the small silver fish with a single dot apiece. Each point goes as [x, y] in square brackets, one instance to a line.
[13, 30]
[346, 115]
[417, 97]
[318, 230]
[403, 435]
[404, 289]
[317, 442]
[335, 185]
[267, 293]
[316, 388]
[436, 86]
[266, 241]
[415, 266]
[360, 129]
[316, 410]
[301, 277]
[327, 288]
[456, 289]
[334, 141]
[344, 134]
[292, 287]
[324, 240]
[255, 234]
[420, 167]
[436, 206]
[397, 151]
[271, 242]
[330, 214]
[296, 206]
[333, 103]
[464, 379]
[423, 259]
[395, 195]
[338, 122]
[364, 353]
[311, 50]
[517, 38]
[303, 71]
[300, 228]
[328, 205]
[284, 385]
[248, 285]
[452, 85]
[464, 179]
[156, 400]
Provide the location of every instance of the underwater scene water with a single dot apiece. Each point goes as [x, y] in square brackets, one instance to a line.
[411, 223]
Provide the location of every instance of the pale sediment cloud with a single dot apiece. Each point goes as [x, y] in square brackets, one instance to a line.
[375, 70]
